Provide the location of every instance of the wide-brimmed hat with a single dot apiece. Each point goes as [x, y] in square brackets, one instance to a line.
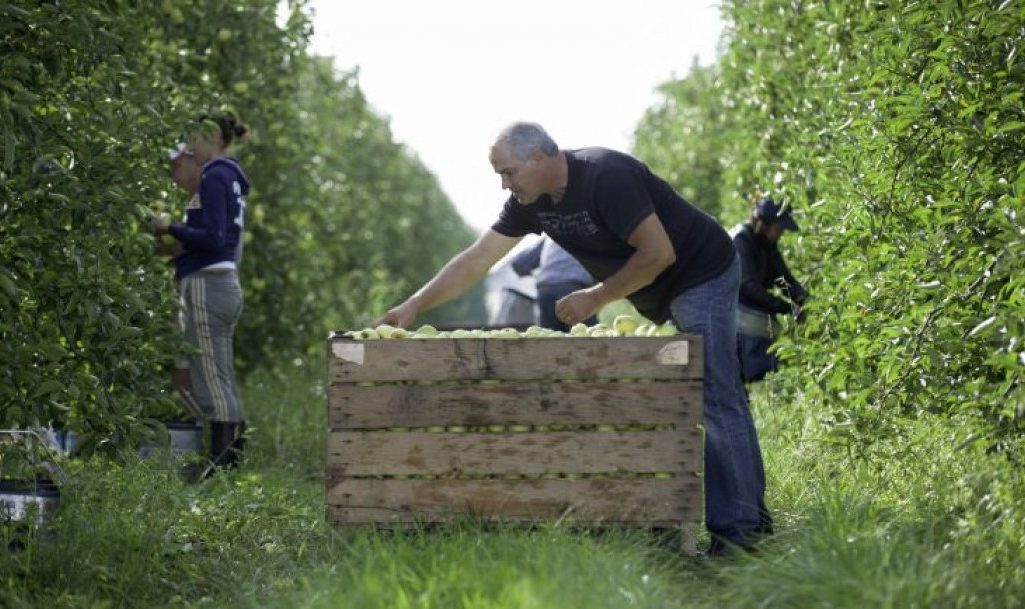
[768, 211]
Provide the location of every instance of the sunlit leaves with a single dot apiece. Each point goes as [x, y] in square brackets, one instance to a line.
[897, 134]
[91, 95]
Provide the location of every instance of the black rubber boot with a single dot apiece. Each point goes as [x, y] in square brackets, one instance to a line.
[240, 441]
[224, 445]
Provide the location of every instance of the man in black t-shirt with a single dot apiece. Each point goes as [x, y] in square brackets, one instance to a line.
[642, 241]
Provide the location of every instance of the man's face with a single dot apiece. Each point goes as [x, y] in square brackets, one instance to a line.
[521, 178]
[185, 173]
[773, 231]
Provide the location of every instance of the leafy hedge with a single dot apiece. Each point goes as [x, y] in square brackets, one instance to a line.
[342, 219]
[895, 130]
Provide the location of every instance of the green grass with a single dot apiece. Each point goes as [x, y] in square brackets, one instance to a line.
[922, 521]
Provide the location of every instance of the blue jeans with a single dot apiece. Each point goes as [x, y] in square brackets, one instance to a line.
[734, 474]
[755, 359]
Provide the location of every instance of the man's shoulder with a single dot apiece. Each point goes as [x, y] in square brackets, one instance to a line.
[601, 157]
[605, 166]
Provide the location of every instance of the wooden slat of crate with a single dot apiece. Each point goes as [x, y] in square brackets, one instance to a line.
[523, 359]
[358, 453]
[653, 502]
[526, 395]
[534, 403]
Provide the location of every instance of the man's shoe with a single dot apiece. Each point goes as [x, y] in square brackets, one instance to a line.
[721, 547]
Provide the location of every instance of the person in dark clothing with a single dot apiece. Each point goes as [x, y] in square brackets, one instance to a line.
[640, 240]
[763, 269]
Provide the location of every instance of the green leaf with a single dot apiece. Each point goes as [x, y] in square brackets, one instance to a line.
[982, 326]
[9, 148]
[48, 387]
[14, 10]
[1011, 126]
[7, 283]
[53, 351]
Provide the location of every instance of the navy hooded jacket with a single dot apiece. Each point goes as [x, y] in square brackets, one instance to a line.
[214, 221]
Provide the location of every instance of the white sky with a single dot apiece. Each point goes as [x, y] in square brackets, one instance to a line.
[451, 74]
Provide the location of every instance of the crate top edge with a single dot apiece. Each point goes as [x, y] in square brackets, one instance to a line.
[339, 336]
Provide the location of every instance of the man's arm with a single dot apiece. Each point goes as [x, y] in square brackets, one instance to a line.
[653, 254]
[752, 288]
[457, 276]
[795, 290]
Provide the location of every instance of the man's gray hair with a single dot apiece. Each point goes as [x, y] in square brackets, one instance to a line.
[522, 138]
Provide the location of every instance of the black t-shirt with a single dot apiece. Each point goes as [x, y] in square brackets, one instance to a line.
[607, 196]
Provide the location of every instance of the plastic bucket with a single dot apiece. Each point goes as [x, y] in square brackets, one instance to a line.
[30, 502]
[185, 439]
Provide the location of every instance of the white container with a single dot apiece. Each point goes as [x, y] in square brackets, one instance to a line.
[186, 439]
[21, 501]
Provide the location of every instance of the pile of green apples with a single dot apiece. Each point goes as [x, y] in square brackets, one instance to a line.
[622, 325]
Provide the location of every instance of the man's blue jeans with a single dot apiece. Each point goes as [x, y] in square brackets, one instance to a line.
[734, 474]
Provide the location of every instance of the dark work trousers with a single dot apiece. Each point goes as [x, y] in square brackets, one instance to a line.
[211, 307]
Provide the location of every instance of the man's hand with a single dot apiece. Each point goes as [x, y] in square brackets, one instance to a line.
[401, 316]
[577, 306]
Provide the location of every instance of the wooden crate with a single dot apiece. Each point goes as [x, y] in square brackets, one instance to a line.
[435, 429]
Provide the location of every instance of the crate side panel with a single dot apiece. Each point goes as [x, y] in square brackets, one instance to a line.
[528, 403]
[648, 500]
[356, 453]
[677, 357]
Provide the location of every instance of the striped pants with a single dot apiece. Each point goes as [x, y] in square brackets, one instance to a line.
[211, 304]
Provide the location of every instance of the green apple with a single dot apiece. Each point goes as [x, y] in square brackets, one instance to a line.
[534, 332]
[667, 329]
[624, 325]
[385, 331]
[427, 330]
